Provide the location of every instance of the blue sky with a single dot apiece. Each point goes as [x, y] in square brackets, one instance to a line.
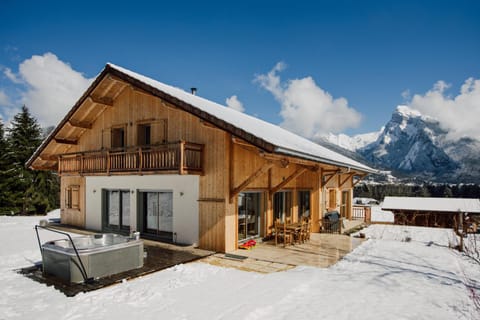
[374, 54]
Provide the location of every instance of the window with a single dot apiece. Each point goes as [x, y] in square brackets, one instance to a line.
[282, 206]
[117, 210]
[144, 134]
[118, 138]
[72, 197]
[303, 204]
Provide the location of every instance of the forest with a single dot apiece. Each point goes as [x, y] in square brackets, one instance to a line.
[426, 189]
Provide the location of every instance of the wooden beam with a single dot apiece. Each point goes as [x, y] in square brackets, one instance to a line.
[346, 179]
[243, 143]
[231, 164]
[79, 124]
[101, 100]
[119, 92]
[48, 157]
[208, 124]
[285, 161]
[250, 179]
[360, 178]
[274, 157]
[329, 172]
[294, 175]
[141, 91]
[112, 80]
[332, 175]
[53, 167]
[66, 141]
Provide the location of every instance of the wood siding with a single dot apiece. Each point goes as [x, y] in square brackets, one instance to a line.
[132, 108]
[229, 165]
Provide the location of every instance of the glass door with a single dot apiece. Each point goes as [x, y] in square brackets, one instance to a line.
[249, 207]
[117, 210]
[282, 206]
[158, 214]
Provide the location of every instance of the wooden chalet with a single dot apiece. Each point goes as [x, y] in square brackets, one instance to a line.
[136, 154]
[431, 212]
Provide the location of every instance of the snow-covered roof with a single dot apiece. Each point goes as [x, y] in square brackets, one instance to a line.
[432, 204]
[267, 136]
[285, 142]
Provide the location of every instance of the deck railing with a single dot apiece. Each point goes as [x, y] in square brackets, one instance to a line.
[184, 157]
[361, 212]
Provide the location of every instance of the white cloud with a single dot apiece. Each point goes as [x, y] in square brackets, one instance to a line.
[4, 99]
[12, 76]
[457, 114]
[52, 87]
[234, 103]
[406, 95]
[306, 108]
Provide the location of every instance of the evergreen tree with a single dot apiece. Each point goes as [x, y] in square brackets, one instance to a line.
[3, 168]
[27, 190]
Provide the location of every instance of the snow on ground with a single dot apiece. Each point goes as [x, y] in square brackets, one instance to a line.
[384, 278]
[379, 215]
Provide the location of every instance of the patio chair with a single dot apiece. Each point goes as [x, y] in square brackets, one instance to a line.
[304, 233]
[282, 232]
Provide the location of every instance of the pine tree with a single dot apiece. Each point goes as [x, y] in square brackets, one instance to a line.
[3, 169]
[27, 190]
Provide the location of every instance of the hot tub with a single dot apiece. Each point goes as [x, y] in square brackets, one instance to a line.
[101, 255]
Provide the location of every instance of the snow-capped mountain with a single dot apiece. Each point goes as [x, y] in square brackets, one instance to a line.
[416, 145]
[352, 143]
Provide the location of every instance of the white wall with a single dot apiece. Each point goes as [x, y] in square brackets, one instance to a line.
[185, 200]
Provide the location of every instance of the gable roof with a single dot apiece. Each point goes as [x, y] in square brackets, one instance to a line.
[262, 134]
[432, 204]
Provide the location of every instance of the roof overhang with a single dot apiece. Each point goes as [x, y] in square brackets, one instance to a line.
[111, 73]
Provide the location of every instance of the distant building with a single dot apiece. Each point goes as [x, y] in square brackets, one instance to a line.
[430, 212]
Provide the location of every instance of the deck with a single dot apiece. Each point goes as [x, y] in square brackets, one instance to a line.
[323, 250]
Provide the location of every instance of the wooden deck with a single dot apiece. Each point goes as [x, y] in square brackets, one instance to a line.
[158, 256]
[323, 250]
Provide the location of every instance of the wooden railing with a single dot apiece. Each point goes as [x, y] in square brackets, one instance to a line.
[360, 212]
[184, 157]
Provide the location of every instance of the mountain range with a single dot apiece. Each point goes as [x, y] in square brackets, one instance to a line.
[413, 146]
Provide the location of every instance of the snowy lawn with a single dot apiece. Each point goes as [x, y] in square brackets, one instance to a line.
[384, 278]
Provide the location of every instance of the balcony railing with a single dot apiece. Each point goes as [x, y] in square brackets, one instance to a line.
[362, 212]
[184, 157]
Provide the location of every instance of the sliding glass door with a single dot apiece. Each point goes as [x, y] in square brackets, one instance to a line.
[116, 217]
[249, 212]
[157, 214]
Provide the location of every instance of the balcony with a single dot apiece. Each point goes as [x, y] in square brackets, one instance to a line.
[181, 157]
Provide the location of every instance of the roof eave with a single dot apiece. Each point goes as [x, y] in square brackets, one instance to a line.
[306, 156]
[79, 102]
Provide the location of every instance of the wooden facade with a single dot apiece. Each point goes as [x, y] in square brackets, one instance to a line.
[105, 135]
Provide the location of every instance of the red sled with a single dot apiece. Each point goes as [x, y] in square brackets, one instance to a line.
[248, 245]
